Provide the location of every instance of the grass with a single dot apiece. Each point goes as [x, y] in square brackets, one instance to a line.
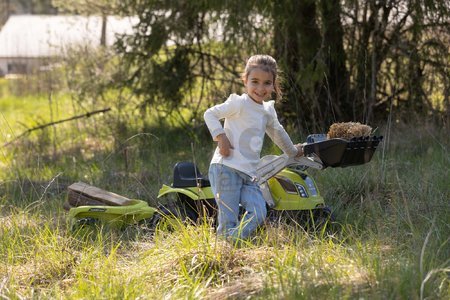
[393, 213]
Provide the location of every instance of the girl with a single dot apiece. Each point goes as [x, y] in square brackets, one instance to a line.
[233, 167]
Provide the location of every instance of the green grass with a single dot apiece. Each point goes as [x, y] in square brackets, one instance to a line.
[393, 241]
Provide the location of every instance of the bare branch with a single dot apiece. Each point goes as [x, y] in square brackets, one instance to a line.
[28, 131]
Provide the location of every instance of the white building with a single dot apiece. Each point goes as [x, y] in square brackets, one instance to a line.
[27, 42]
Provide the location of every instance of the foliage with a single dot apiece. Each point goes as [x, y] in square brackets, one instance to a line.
[86, 7]
[348, 60]
[173, 57]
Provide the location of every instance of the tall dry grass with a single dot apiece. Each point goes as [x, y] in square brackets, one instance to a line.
[392, 242]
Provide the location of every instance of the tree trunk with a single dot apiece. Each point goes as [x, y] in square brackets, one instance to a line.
[103, 34]
[362, 62]
[416, 101]
[298, 47]
[337, 84]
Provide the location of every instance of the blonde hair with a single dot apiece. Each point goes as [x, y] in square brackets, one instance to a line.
[266, 63]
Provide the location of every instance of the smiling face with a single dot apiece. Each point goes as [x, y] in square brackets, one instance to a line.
[259, 85]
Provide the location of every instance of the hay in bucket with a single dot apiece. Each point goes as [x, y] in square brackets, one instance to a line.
[348, 130]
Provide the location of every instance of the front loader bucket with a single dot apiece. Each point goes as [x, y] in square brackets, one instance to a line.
[343, 153]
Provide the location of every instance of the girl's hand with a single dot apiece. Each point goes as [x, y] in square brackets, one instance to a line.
[299, 149]
[224, 145]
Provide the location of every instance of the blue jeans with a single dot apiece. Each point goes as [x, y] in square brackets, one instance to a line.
[231, 188]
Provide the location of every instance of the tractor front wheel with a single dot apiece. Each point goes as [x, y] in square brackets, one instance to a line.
[321, 220]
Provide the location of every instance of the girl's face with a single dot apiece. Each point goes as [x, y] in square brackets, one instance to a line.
[259, 85]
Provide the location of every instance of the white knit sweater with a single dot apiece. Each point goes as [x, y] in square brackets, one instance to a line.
[246, 122]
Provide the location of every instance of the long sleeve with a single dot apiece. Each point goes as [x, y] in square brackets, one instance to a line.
[214, 114]
[279, 136]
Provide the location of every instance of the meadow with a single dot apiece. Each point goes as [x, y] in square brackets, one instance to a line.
[393, 218]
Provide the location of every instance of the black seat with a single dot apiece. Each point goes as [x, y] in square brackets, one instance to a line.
[186, 174]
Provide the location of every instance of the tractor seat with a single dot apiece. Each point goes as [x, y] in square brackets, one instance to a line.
[186, 174]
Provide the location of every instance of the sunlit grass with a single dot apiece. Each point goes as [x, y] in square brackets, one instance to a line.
[193, 263]
[392, 216]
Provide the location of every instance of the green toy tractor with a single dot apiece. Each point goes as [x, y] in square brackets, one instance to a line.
[290, 192]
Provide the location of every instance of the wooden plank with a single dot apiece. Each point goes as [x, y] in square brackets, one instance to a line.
[95, 193]
[77, 199]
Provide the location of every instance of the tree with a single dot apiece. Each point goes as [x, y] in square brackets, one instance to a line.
[175, 58]
[298, 47]
[337, 80]
[342, 60]
[90, 7]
